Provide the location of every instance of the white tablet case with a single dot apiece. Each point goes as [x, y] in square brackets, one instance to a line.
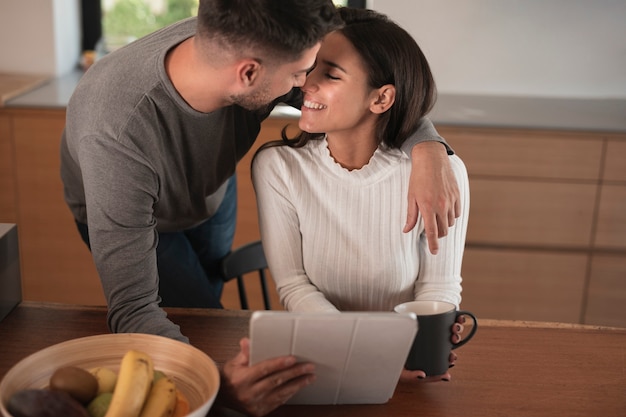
[358, 356]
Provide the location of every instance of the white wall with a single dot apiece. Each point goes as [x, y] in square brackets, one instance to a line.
[553, 48]
[39, 36]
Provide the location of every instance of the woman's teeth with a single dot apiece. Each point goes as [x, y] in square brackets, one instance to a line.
[311, 105]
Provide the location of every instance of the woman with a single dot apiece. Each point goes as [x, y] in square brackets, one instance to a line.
[330, 206]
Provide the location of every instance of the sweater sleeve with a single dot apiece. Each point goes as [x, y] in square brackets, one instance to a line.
[440, 275]
[273, 182]
[120, 190]
[425, 132]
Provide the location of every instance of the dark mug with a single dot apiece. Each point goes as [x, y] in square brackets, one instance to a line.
[432, 345]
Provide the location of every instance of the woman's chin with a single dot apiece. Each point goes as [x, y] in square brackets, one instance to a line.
[306, 126]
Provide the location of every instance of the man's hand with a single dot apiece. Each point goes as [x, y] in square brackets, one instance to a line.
[257, 390]
[433, 191]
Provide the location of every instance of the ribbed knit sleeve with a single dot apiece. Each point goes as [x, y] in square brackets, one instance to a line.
[439, 275]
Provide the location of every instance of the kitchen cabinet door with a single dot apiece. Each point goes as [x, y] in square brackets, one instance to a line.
[8, 209]
[56, 264]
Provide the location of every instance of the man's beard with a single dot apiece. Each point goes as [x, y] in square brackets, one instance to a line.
[256, 100]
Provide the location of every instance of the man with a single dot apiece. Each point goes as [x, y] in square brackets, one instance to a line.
[153, 135]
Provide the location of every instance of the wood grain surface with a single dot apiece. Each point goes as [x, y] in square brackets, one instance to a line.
[508, 369]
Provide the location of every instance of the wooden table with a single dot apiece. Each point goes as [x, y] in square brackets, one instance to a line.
[509, 368]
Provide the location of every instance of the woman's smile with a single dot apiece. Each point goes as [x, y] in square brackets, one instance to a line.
[313, 105]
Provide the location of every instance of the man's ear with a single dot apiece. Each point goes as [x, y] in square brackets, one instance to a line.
[383, 98]
[248, 72]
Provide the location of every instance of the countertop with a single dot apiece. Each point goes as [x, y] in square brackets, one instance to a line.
[606, 115]
[587, 114]
[13, 85]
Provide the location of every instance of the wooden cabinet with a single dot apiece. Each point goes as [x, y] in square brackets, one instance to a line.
[56, 264]
[530, 213]
[547, 230]
[606, 299]
[611, 223]
[524, 284]
[513, 153]
[615, 161]
[8, 209]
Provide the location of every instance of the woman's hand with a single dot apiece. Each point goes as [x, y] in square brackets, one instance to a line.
[259, 389]
[420, 376]
[417, 375]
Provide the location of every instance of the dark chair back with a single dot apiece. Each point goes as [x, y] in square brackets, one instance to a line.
[243, 260]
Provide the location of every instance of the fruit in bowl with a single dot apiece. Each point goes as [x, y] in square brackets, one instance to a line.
[134, 364]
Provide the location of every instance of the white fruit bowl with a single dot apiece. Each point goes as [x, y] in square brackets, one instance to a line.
[194, 373]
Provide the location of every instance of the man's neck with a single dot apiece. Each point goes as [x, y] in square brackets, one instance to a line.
[199, 84]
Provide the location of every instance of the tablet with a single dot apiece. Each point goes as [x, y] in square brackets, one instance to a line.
[358, 356]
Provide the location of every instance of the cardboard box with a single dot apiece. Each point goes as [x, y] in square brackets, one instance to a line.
[10, 281]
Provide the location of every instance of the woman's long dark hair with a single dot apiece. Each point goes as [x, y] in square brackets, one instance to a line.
[391, 56]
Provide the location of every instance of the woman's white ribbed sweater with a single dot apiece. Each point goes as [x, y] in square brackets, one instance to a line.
[333, 238]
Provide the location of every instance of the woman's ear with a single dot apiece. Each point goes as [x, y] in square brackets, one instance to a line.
[383, 98]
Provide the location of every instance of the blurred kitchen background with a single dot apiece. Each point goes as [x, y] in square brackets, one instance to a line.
[532, 95]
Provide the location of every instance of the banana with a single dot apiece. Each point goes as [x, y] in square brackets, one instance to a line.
[134, 381]
[161, 400]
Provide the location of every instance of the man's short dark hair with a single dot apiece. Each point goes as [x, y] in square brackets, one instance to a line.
[282, 29]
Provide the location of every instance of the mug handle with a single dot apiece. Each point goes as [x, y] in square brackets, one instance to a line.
[471, 333]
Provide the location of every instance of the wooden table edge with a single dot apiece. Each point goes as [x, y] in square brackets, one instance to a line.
[248, 313]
